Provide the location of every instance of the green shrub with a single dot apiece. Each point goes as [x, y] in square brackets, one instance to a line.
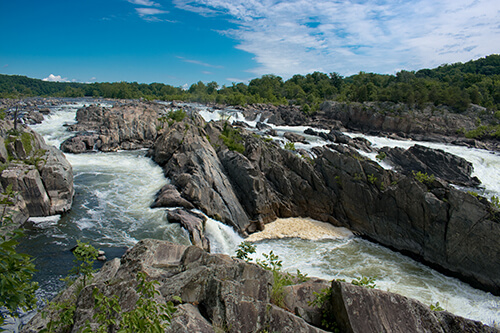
[363, 281]
[244, 250]
[290, 146]
[147, 316]
[232, 138]
[381, 156]
[423, 177]
[436, 307]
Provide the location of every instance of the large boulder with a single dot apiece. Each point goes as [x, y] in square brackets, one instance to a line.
[39, 172]
[358, 309]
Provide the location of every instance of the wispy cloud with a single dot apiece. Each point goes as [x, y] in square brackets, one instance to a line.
[56, 78]
[6, 65]
[301, 36]
[197, 62]
[149, 14]
[146, 3]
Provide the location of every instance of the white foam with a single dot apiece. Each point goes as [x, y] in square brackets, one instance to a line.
[298, 227]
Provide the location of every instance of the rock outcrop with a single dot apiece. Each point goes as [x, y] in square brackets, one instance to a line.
[358, 310]
[128, 126]
[435, 162]
[434, 222]
[222, 293]
[38, 172]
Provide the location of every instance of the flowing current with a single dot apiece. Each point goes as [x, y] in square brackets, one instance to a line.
[111, 211]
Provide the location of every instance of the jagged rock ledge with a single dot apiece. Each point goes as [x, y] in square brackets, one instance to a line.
[246, 189]
[39, 173]
[219, 292]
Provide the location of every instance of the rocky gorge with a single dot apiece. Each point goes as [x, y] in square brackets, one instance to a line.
[245, 180]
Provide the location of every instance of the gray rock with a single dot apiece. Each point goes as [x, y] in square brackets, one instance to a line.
[129, 126]
[223, 294]
[361, 310]
[194, 223]
[169, 196]
[435, 162]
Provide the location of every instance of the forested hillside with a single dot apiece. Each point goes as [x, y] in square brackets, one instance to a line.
[456, 85]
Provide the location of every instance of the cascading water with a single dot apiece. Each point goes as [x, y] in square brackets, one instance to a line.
[349, 258]
[111, 211]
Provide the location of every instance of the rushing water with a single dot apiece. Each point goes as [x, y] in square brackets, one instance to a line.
[111, 211]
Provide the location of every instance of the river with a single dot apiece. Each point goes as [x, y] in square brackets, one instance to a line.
[111, 211]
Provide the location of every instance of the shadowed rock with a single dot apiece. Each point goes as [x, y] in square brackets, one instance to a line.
[435, 162]
[219, 292]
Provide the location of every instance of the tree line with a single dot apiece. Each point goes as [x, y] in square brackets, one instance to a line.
[456, 85]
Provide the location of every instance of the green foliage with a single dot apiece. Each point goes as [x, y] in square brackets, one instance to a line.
[85, 255]
[17, 290]
[61, 314]
[495, 201]
[147, 316]
[436, 307]
[456, 85]
[244, 251]
[321, 301]
[372, 179]
[484, 132]
[232, 138]
[271, 262]
[363, 281]
[290, 146]
[381, 156]
[423, 177]
[177, 115]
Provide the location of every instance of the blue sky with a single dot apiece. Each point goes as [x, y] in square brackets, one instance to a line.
[180, 42]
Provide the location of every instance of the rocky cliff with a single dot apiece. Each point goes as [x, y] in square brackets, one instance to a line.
[39, 173]
[220, 293]
[257, 181]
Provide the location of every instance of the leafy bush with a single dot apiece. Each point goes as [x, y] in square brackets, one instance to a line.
[17, 290]
[423, 177]
[85, 255]
[147, 316]
[290, 146]
[363, 281]
[244, 250]
[271, 262]
[232, 138]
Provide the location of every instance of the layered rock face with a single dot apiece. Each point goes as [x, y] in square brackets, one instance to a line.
[435, 162]
[433, 222]
[40, 173]
[221, 293]
[128, 126]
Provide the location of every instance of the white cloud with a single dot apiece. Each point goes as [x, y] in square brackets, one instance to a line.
[197, 62]
[150, 11]
[147, 3]
[55, 78]
[301, 36]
